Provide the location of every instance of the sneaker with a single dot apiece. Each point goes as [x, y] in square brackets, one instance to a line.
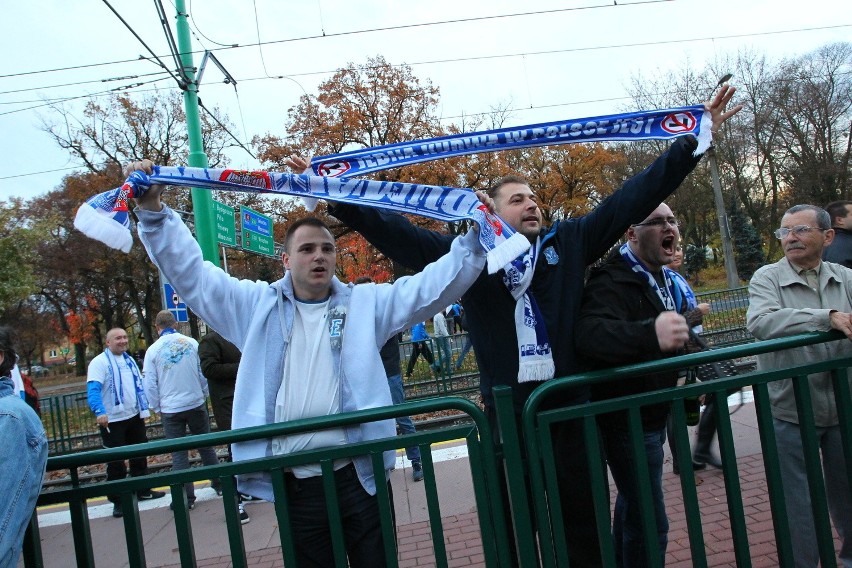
[244, 517]
[218, 491]
[245, 497]
[150, 494]
[116, 511]
[417, 471]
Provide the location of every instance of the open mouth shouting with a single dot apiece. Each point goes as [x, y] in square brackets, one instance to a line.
[669, 245]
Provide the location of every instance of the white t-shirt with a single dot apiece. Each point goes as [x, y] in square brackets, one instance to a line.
[440, 325]
[99, 372]
[309, 387]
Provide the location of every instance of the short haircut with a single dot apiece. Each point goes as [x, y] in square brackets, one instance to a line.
[822, 217]
[494, 189]
[837, 209]
[304, 222]
[9, 355]
[165, 319]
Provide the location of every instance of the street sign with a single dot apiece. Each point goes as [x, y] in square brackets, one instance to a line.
[255, 222]
[174, 303]
[257, 232]
[226, 228]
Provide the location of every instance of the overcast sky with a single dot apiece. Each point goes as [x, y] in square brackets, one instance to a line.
[547, 59]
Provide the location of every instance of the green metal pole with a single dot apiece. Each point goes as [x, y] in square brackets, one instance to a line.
[202, 201]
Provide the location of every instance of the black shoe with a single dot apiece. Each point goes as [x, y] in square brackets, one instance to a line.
[244, 497]
[695, 467]
[417, 471]
[190, 504]
[218, 491]
[150, 494]
[244, 517]
[116, 511]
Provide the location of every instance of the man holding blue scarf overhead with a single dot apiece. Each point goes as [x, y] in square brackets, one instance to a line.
[521, 320]
[117, 398]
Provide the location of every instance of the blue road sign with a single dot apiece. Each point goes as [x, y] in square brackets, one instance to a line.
[174, 303]
[254, 221]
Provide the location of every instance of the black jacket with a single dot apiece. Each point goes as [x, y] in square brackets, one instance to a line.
[840, 249]
[219, 362]
[615, 328]
[568, 247]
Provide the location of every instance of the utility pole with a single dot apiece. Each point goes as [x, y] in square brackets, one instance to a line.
[202, 201]
[721, 214]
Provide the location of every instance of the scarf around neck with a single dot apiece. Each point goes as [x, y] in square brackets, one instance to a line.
[535, 356]
[114, 376]
[668, 294]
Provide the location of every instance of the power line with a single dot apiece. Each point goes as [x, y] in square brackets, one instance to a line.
[351, 32]
[124, 78]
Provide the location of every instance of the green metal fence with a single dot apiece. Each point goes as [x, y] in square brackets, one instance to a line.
[539, 544]
[483, 470]
[539, 448]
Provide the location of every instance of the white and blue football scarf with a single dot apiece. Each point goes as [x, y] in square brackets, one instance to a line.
[668, 294]
[114, 376]
[105, 217]
[535, 357]
[643, 125]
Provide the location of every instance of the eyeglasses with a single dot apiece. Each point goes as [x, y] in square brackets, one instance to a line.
[659, 222]
[798, 230]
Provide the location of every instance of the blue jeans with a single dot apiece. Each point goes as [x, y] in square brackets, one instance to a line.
[467, 346]
[627, 520]
[175, 425]
[359, 511]
[797, 496]
[406, 426]
[21, 469]
[443, 354]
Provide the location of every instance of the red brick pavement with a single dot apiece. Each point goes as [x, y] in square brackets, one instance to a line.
[464, 542]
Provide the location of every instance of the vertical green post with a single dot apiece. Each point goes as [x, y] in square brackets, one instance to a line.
[202, 201]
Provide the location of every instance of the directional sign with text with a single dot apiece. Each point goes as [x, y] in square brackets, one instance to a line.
[257, 232]
[226, 228]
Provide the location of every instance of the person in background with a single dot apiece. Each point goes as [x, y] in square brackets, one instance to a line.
[177, 390]
[443, 354]
[798, 294]
[117, 398]
[220, 360]
[840, 249]
[419, 346]
[393, 369]
[24, 458]
[706, 431]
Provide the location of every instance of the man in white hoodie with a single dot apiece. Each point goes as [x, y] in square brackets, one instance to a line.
[310, 348]
[177, 390]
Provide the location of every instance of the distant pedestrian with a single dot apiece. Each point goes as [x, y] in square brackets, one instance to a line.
[118, 400]
[24, 458]
[177, 390]
[419, 346]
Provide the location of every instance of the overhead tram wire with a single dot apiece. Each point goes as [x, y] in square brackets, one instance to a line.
[145, 45]
[225, 128]
[124, 78]
[352, 32]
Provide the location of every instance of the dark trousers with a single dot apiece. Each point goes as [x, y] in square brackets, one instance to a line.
[417, 349]
[575, 492]
[125, 433]
[197, 421]
[362, 530]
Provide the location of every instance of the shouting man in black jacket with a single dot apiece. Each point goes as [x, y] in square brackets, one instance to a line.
[632, 312]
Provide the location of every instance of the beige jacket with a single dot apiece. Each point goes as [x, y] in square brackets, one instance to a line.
[782, 304]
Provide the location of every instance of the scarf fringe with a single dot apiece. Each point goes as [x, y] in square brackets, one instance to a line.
[103, 228]
[536, 371]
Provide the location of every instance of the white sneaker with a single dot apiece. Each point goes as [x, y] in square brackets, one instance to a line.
[244, 518]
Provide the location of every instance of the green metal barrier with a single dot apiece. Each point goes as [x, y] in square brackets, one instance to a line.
[542, 470]
[527, 450]
[483, 467]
